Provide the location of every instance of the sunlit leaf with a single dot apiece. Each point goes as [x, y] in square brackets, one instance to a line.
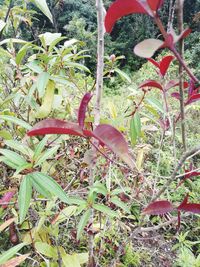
[106, 210]
[46, 250]
[123, 75]
[147, 48]
[15, 120]
[42, 82]
[42, 5]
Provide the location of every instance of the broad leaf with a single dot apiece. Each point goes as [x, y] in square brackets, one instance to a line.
[189, 207]
[151, 83]
[24, 198]
[10, 253]
[42, 82]
[115, 200]
[148, 47]
[13, 157]
[82, 223]
[46, 250]
[114, 140]
[155, 4]
[158, 208]
[55, 126]
[42, 5]
[82, 109]
[164, 64]
[123, 75]
[122, 8]
[48, 38]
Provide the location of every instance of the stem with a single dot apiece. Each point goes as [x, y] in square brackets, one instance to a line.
[99, 88]
[185, 156]
[181, 88]
[174, 51]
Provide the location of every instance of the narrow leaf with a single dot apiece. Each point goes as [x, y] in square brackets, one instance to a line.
[13, 157]
[15, 261]
[4, 225]
[189, 207]
[82, 223]
[135, 128]
[158, 208]
[115, 200]
[106, 210]
[47, 154]
[24, 198]
[15, 120]
[82, 109]
[10, 253]
[42, 82]
[123, 75]
[50, 185]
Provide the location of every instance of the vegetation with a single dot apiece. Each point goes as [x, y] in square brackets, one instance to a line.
[99, 155]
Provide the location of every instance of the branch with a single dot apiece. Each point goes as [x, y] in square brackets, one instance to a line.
[185, 156]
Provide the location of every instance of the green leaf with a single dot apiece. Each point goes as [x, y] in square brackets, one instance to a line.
[13, 157]
[47, 104]
[115, 200]
[8, 163]
[106, 210]
[65, 214]
[24, 198]
[123, 75]
[13, 40]
[42, 5]
[22, 167]
[34, 66]
[42, 82]
[46, 250]
[10, 253]
[135, 128]
[19, 147]
[77, 66]
[74, 260]
[2, 24]
[21, 53]
[82, 223]
[5, 135]
[49, 38]
[17, 121]
[40, 146]
[50, 185]
[47, 154]
[155, 103]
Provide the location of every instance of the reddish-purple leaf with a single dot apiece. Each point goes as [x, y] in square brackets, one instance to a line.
[155, 63]
[164, 64]
[114, 140]
[176, 95]
[55, 126]
[158, 208]
[174, 83]
[193, 98]
[151, 83]
[6, 199]
[188, 175]
[122, 8]
[82, 109]
[165, 124]
[189, 207]
[155, 4]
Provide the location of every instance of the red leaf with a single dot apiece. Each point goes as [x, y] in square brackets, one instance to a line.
[104, 133]
[158, 208]
[151, 83]
[55, 126]
[193, 98]
[114, 140]
[189, 207]
[155, 4]
[176, 95]
[174, 83]
[155, 63]
[164, 64]
[122, 8]
[82, 109]
[6, 198]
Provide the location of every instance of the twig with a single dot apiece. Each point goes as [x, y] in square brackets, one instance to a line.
[181, 91]
[185, 156]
